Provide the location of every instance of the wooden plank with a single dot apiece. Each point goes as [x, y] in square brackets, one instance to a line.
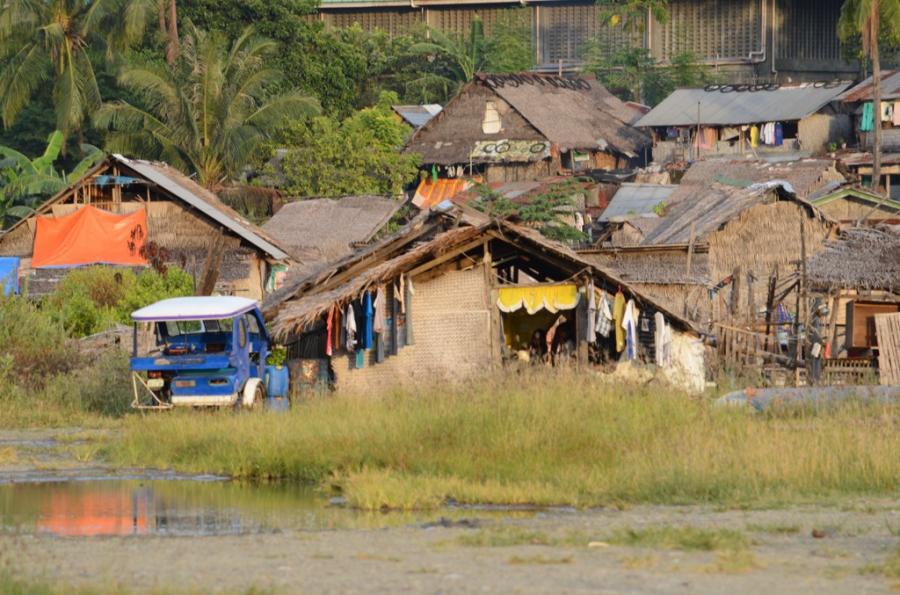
[887, 329]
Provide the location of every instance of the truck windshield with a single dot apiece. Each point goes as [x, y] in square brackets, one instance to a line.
[175, 328]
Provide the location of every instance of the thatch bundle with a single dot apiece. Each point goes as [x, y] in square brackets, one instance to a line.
[862, 259]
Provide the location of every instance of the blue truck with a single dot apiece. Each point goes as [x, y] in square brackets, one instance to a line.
[208, 352]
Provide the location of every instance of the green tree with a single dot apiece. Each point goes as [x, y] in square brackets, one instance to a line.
[360, 155]
[25, 182]
[633, 74]
[49, 41]
[632, 13]
[550, 212]
[508, 50]
[871, 21]
[210, 111]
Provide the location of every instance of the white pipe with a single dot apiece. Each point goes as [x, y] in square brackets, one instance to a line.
[774, 42]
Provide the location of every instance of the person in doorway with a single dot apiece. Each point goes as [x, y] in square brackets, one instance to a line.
[537, 348]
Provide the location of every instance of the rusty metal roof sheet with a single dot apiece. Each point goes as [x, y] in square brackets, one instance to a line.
[890, 88]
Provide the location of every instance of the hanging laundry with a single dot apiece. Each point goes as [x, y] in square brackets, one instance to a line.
[706, 139]
[337, 329]
[754, 136]
[618, 319]
[591, 314]
[663, 340]
[350, 328]
[368, 314]
[410, 291]
[629, 323]
[896, 119]
[867, 121]
[360, 358]
[604, 321]
[779, 134]
[328, 323]
[887, 111]
[379, 323]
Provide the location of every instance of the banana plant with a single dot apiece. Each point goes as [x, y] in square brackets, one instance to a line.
[25, 182]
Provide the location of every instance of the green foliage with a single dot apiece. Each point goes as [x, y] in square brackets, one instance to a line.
[277, 356]
[855, 27]
[507, 50]
[360, 155]
[50, 42]
[34, 344]
[92, 299]
[632, 13]
[634, 74]
[550, 212]
[24, 182]
[209, 112]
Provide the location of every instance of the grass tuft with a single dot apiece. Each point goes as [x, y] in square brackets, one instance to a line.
[540, 560]
[681, 538]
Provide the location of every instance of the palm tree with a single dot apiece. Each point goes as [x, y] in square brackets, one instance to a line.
[208, 112]
[25, 182]
[467, 54]
[871, 19]
[45, 41]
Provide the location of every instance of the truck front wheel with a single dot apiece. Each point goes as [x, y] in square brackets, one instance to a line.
[254, 394]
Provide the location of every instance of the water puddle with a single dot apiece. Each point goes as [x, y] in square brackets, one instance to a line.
[201, 506]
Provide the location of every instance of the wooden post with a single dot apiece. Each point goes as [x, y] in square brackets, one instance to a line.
[690, 254]
[770, 305]
[214, 257]
[751, 315]
[803, 306]
[735, 291]
[832, 322]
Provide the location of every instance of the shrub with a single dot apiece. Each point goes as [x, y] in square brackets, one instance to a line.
[34, 344]
[92, 299]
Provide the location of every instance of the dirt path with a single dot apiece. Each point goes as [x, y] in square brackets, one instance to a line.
[782, 556]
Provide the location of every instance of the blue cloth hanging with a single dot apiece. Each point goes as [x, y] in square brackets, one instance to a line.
[867, 122]
[369, 317]
[9, 274]
[779, 134]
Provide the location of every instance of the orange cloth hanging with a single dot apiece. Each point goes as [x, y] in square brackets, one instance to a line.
[90, 236]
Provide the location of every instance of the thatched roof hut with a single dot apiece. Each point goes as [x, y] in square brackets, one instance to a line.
[304, 300]
[520, 127]
[461, 263]
[183, 220]
[861, 259]
[323, 230]
[712, 232]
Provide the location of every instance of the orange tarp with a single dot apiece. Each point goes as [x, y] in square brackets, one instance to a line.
[430, 192]
[90, 236]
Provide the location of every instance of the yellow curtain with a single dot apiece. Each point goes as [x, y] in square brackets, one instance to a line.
[552, 298]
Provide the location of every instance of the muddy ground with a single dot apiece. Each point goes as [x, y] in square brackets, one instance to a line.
[838, 548]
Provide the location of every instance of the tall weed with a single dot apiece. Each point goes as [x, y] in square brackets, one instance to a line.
[562, 438]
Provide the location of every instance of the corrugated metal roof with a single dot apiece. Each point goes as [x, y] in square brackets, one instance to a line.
[745, 107]
[153, 174]
[636, 200]
[890, 88]
[417, 115]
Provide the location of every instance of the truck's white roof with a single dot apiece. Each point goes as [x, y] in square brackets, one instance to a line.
[195, 308]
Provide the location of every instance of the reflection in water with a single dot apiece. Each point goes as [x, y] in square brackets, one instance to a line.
[94, 508]
[186, 507]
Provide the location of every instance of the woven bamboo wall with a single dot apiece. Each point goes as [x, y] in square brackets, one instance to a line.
[676, 297]
[757, 240]
[451, 326]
